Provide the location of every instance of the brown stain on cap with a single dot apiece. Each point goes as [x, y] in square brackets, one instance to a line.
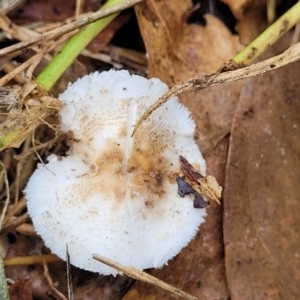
[112, 182]
[146, 171]
[148, 167]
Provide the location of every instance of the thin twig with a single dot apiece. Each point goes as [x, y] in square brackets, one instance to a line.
[14, 223]
[78, 9]
[35, 151]
[9, 66]
[14, 210]
[4, 174]
[22, 156]
[3, 286]
[271, 11]
[142, 276]
[30, 260]
[21, 33]
[28, 63]
[292, 54]
[53, 34]
[5, 79]
[31, 68]
[17, 180]
[14, 31]
[8, 6]
[49, 280]
[101, 57]
[69, 276]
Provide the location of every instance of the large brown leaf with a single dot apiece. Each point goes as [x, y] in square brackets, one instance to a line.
[179, 51]
[261, 199]
[251, 18]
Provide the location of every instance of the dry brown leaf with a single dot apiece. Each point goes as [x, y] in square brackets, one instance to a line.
[261, 197]
[104, 38]
[178, 51]
[87, 285]
[251, 18]
[45, 11]
[199, 268]
[49, 10]
[206, 186]
[20, 245]
[21, 290]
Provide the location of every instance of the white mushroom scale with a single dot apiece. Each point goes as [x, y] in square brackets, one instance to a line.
[112, 194]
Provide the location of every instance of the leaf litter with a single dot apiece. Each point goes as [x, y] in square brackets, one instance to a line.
[261, 198]
[259, 202]
[182, 51]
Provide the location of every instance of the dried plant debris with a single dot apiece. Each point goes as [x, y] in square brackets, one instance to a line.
[142, 276]
[185, 189]
[193, 182]
[24, 115]
[9, 96]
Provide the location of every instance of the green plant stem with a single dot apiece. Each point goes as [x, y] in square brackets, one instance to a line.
[269, 36]
[3, 285]
[4, 295]
[72, 49]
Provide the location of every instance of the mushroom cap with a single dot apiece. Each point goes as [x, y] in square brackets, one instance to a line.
[112, 194]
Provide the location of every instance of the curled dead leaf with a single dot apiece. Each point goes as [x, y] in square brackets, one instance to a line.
[207, 186]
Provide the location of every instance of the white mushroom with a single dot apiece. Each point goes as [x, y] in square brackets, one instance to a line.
[112, 194]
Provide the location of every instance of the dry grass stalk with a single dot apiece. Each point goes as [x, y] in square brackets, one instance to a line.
[55, 33]
[292, 54]
[30, 260]
[14, 223]
[51, 284]
[142, 276]
[3, 175]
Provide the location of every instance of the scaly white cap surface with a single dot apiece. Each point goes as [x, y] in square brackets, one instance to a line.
[115, 195]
